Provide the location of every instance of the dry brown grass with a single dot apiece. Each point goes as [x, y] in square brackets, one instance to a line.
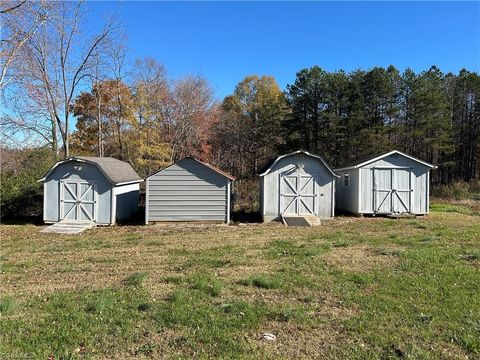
[316, 267]
[362, 258]
[105, 255]
[295, 341]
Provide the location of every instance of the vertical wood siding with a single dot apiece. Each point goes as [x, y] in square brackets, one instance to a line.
[419, 184]
[187, 191]
[89, 173]
[270, 185]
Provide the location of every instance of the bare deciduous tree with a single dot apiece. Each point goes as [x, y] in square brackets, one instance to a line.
[56, 60]
[193, 107]
[20, 21]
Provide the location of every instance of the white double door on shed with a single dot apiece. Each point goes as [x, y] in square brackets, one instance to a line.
[298, 194]
[78, 200]
[393, 190]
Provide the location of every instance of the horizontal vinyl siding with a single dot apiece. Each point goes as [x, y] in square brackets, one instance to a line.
[206, 204]
[185, 217]
[187, 191]
[193, 183]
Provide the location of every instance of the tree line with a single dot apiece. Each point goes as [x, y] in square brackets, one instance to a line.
[54, 73]
[342, 116]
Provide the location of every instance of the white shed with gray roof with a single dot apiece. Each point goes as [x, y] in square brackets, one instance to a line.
[90, 189]
[389, 183]
[297, 184]
[189, 190]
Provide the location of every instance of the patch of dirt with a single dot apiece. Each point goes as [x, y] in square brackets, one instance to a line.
[451, 351]
[331, 307]
[295, 341]
[362, 258]
[163, 344]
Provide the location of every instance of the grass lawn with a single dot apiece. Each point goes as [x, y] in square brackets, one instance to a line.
[353, 288]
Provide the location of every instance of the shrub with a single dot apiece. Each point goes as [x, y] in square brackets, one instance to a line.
[247, 194]
[458, 190]
[21, 194]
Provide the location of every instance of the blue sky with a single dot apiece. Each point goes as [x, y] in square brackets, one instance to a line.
[226, 41]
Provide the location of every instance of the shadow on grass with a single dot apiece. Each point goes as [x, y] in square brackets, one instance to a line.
[243, 216]
[23, 220]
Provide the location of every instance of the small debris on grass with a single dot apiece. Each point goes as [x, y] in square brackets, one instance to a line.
[469, 257]
[268, 336]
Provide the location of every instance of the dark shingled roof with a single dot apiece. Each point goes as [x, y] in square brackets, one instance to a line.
[214, 168]
[115, 170]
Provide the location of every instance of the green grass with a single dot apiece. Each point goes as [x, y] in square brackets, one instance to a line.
[13, 267]
[370, 288]
[460, 209]
[136, 279]
[94, 320]
[173, 279]
[207, 284]
[7, 304]
[218, 327]
[261, 281]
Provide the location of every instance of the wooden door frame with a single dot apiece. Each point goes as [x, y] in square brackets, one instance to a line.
[392, 192]
[78, 182]
[395, 194]
[297, 195]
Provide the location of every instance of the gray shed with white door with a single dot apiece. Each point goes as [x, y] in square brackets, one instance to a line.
[189, 190]
[96, 189]
[297, 184]
[389, 183]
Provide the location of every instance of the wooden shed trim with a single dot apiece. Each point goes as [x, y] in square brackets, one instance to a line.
[295, 153]
[369, 161]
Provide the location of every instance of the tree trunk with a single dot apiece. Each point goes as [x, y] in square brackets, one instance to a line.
[99, 134]
[54, 140]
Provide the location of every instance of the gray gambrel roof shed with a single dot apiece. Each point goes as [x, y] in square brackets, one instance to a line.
[296, 153]
[116, 171]
[297, 184]
[93, 189]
